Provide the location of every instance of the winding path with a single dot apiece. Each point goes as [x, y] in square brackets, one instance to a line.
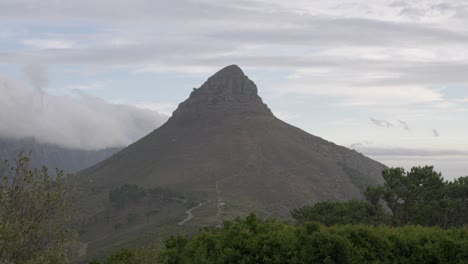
[189, 214]
[219, 205]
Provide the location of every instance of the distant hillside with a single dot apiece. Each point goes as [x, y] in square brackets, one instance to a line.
[53, 156]
[227, 155]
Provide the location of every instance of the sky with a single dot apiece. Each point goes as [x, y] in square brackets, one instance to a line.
[388, 78]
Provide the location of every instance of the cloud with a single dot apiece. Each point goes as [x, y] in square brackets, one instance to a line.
[387, 124]
[360, 52]
[36, 74]
[404, 125]
[360, 145]
[88, 87]
[435, 132]
[286, 116]
[451, 162]
[381, 123]
[382, 151]
[164, 108]
[182, 69]
[82, 121]
[47, 43]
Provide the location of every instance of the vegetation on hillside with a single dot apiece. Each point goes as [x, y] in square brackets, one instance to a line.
[129, 193]
[414, 217]
[342, 213]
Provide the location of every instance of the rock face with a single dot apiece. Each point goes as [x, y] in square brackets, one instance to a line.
[223, 143]
[228, 92]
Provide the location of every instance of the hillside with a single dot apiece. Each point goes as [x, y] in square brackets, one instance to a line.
[53, 156]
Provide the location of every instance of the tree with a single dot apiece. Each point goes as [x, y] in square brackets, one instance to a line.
[35, 213]
[422, 197]
[348, 212]
[394, 192]
[457, 193]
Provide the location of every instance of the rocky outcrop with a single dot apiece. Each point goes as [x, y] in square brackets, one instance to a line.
[228, 92]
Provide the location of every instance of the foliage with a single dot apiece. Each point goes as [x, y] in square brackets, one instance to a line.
[249, 241]
[269, 241]
[349, 212]
[417, 197]
[457, 202]
[128, 192]
[422, 197]
[135, 256]
[35, 212]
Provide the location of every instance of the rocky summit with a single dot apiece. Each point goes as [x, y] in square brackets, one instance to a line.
[227, 155]
[228, 92]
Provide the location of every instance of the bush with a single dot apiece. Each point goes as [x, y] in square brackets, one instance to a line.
[35, 214]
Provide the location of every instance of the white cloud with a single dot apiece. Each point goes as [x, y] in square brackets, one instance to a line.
[88, 87]
[286, 116]
[83, 122]
[352, 95]
[47, 43]
[181, 69]
[165, 108]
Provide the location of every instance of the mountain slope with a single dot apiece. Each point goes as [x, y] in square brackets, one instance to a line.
[224, 143]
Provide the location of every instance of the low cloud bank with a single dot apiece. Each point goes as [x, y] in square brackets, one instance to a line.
[375, 151]
[80, 121]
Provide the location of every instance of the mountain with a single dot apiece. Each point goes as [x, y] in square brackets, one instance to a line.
[53, 156]
[224, 140]
[222, 154]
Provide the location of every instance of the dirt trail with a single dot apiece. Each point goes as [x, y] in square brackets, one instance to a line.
[189, 214]
[219, 206]
[219, 203]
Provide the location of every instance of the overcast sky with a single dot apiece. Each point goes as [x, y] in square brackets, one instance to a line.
[388, 78]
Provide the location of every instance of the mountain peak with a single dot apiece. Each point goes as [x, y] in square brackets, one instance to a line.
[231, 71]
[228, 92]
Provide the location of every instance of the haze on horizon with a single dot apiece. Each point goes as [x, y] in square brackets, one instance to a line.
[386, 77]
